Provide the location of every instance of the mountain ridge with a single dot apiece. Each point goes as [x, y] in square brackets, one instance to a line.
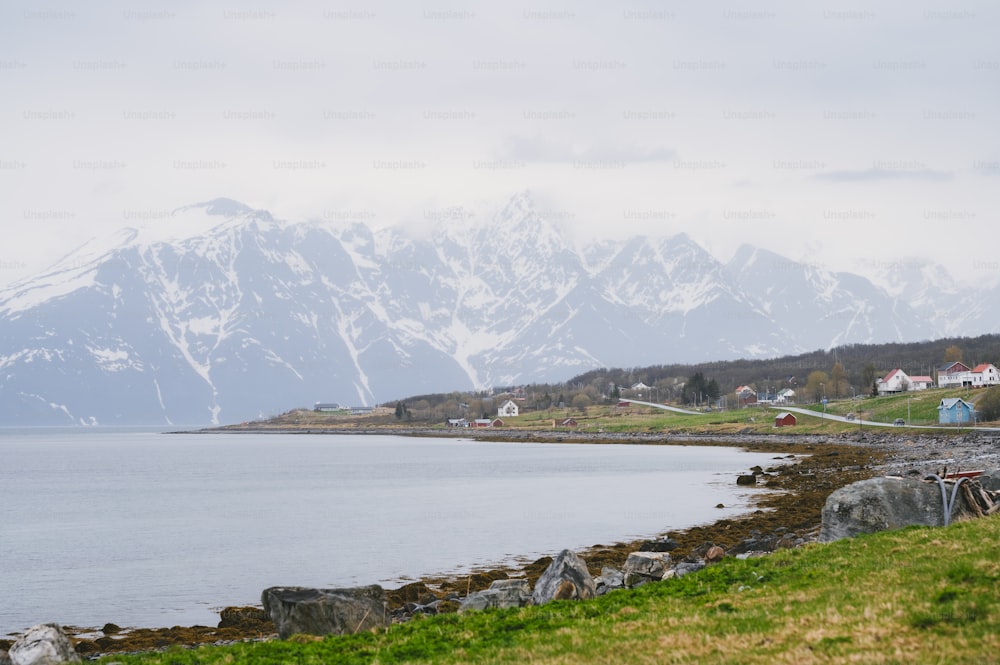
[223, 313]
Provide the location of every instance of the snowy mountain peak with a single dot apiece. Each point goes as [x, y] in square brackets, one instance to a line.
[220, 313]
[224, 207]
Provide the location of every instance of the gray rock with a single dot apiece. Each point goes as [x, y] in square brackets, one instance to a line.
[501, 594]
[990, 480]
[643, 567]
[566, 578]
[748, 479]
[325, 611]
[687, 567]
[609, 580]
[879, 504]
[45, 644]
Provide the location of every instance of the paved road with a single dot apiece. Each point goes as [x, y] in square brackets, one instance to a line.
[872, 423]
[813, 414]
[664, 407]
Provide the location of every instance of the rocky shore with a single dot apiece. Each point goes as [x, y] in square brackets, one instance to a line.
[806, 470]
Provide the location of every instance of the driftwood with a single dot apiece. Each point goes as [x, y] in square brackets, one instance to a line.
[979, 500]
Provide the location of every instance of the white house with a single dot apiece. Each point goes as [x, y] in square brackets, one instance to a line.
[985, 374]
[895, 381]
[954, 375]
[507, 409]
[921, 382]
[785, 396]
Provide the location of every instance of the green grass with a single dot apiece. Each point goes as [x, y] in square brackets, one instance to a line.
[917, 407]
[919, 595]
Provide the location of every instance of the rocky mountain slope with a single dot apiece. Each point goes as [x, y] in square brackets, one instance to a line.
[222, 313]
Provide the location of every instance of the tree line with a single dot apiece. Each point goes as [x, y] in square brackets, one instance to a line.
[834, 373]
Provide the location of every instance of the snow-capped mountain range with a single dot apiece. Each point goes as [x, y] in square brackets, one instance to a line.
[222, 313]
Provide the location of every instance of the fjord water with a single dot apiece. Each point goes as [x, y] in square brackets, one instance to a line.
[152, 530]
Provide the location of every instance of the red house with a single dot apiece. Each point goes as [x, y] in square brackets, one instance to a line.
[784, 419]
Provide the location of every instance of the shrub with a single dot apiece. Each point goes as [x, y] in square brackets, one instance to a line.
[989, 404]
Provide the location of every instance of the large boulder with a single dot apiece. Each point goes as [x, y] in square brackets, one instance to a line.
[566, 578]
[880, 504]
[501, 594]
[325, 611]
[45, 644]
[643, 567]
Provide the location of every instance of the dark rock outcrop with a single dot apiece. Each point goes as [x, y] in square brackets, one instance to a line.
[244, 618]
[325, 611]
[44, 644]
[667, 544]
[566, 578]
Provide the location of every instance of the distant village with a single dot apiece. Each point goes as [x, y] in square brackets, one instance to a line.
[950, 375]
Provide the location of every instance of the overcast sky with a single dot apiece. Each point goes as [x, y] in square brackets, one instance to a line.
[853, 135]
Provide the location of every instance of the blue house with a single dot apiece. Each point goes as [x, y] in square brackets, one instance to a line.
[955, 410]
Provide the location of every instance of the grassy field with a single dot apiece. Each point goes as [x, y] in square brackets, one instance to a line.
[919, 595]
[917, 408]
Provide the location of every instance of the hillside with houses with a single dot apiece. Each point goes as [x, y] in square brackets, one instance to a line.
[844, 373]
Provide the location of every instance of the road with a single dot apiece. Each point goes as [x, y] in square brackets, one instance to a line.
[871, 423]
[664, 407]
[815, 414]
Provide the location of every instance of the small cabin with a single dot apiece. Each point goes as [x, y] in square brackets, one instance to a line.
[955, 411]
[785, 419]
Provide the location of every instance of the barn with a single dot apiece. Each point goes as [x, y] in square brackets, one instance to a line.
[784, 419]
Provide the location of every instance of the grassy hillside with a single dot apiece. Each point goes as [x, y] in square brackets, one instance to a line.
[920, 595]
[917, 408]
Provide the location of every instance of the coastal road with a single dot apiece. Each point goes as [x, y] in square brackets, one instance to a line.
[664, 407]
[872, 423]
[815, 414]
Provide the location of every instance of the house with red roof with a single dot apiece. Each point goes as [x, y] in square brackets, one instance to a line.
[985, 374]
[921, 382]
[895, 381]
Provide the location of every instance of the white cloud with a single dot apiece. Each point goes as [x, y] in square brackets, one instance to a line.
[782, 125]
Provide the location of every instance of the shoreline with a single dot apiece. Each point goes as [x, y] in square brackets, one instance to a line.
[787, 518]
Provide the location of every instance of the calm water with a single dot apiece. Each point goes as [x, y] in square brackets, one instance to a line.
[147, 529]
